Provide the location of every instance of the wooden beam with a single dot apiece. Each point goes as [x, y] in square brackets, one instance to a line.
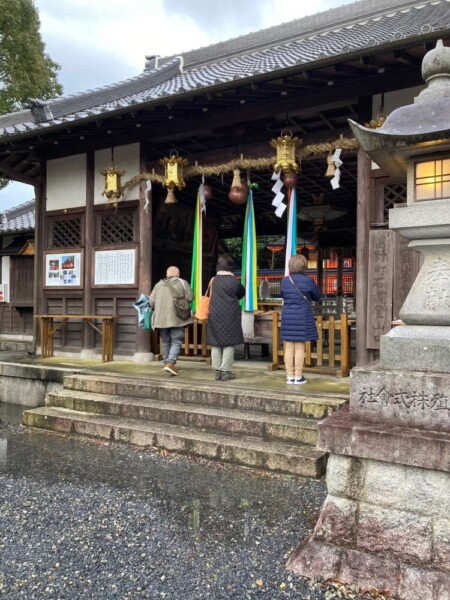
[406, 58]
[10, 173]
[347, 69]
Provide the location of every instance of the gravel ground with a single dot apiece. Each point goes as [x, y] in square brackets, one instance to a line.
[80, 520]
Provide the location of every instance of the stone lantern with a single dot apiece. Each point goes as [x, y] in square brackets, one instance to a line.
[385, 523]
[415, 142]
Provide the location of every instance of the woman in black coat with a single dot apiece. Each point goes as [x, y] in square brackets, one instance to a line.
[297, 319]
[225, 318]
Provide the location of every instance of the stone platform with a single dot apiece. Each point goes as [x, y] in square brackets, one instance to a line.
[255, 420]
[275, 431]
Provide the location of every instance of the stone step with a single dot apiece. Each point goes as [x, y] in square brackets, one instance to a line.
[303, 461]
[295, 402]
[265, 426]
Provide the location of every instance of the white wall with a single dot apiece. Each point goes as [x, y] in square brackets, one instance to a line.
[66, 177]
[126, 158]
[66, 182]
[6, 268]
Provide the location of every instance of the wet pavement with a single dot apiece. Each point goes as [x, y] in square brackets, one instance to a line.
[87, 520]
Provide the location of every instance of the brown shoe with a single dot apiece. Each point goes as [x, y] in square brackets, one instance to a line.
[170, 368]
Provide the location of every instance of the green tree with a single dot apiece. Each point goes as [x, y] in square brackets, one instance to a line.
[26, 71]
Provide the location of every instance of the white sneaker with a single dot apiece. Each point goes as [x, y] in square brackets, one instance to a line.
[290, 380]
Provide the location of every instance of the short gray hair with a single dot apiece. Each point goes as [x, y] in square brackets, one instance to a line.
[298, 263]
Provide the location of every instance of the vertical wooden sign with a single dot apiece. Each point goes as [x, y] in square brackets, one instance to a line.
[380, 285]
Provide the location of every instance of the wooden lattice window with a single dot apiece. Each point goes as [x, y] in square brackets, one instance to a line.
[117, 229]
[393, 194]
[66, 233]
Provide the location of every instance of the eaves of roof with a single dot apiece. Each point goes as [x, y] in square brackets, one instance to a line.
[78, 103]
[14, 248]
[308, 47]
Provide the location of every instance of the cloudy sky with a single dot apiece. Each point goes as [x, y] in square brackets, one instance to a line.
[97, 42]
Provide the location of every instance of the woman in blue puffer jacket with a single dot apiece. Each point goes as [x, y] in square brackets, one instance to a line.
[297, 319]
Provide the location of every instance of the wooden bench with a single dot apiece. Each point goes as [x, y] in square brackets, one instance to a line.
[106, 331]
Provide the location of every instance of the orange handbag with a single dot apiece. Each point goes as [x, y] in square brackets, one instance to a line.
[202, 311]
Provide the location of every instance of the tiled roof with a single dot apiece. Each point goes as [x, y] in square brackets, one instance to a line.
[337, 32]
[315, 24]
[19, 218]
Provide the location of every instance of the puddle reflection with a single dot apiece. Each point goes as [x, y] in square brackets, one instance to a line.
[11, 413]
[195, 503]
[3, 455]
[231, 503]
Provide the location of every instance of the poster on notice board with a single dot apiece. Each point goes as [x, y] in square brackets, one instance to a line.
[63, 270]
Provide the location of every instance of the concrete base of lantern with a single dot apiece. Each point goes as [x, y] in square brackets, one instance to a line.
[416, 348]
[402, 398]
[384, 526]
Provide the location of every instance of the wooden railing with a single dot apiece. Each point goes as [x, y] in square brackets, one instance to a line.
[330, 354]
[194, 346]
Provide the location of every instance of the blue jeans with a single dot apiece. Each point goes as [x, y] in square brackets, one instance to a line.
[172, 340]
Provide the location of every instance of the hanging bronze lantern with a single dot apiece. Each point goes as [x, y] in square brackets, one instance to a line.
[375, 123]
[173, 175]
[286, 146]
[112, 187]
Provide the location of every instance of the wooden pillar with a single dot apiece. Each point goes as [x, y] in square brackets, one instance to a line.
[41, 239]
[38, 258]
[320, 270]
[363, 215]
[89, 241]
[145, 256]
[339, 265]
